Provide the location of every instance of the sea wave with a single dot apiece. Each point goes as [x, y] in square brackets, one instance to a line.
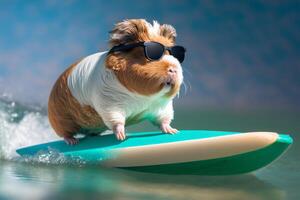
[22, 125]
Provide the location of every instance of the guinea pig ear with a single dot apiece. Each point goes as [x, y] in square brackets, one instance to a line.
[168, 31]
[129, 30]
[115, 63]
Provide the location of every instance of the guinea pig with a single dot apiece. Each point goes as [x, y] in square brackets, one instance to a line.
[135, 80]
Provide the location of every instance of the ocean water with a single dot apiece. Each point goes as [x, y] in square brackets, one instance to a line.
[54, 177]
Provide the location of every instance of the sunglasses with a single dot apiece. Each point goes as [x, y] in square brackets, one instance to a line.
[153, 50]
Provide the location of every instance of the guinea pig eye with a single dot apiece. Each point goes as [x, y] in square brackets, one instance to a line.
[154, 50]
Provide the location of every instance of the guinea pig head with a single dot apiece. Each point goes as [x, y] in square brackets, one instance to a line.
[134, 71]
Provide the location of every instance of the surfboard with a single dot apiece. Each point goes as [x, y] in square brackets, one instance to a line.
[198, 152]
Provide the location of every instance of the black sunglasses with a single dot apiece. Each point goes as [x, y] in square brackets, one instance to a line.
[153, 50]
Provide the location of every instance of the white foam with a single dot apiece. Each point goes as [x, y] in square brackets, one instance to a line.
[32, 128]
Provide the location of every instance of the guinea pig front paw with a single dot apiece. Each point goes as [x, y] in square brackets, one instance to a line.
[119, 131]
[166, 128]
[71, 140]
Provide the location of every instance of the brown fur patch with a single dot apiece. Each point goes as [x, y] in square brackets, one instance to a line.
[168, 31]
[129, 31]
[65, 114]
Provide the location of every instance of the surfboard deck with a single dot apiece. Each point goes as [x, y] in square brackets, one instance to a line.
[200, 152]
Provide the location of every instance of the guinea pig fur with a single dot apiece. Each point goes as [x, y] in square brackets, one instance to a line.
[111, 90]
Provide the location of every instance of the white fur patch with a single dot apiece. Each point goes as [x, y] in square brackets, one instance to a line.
[175, 63]
[91, 83]
[153, 29]
[81, 77]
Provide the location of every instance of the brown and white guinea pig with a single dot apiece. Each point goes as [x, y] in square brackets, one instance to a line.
[109, 90]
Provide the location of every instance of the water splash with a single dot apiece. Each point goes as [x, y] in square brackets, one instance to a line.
[22, 126]
[53, 157]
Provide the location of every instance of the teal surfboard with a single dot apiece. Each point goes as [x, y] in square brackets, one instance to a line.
[198, 152]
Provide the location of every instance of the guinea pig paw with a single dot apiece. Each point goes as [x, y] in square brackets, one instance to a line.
[166, 128]
[119, 131]
[71, 140]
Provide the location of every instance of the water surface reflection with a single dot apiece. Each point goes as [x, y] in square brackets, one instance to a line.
[31, 181]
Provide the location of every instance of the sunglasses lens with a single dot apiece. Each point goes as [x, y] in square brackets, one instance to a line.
[178, 52]
[154, 50]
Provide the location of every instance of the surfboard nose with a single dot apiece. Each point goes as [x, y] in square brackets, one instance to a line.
[285, 139]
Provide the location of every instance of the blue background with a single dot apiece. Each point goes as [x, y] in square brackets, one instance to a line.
[240, 54]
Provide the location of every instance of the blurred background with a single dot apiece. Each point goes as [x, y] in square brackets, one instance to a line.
[242, 73]
[240, 55]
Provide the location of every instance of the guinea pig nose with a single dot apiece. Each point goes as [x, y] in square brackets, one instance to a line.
[172, 70]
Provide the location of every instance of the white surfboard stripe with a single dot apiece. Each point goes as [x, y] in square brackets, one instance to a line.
[190, 150]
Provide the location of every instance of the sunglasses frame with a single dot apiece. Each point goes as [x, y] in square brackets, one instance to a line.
[127, 47]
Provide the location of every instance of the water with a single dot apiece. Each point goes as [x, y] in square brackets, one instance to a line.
[54, 177]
